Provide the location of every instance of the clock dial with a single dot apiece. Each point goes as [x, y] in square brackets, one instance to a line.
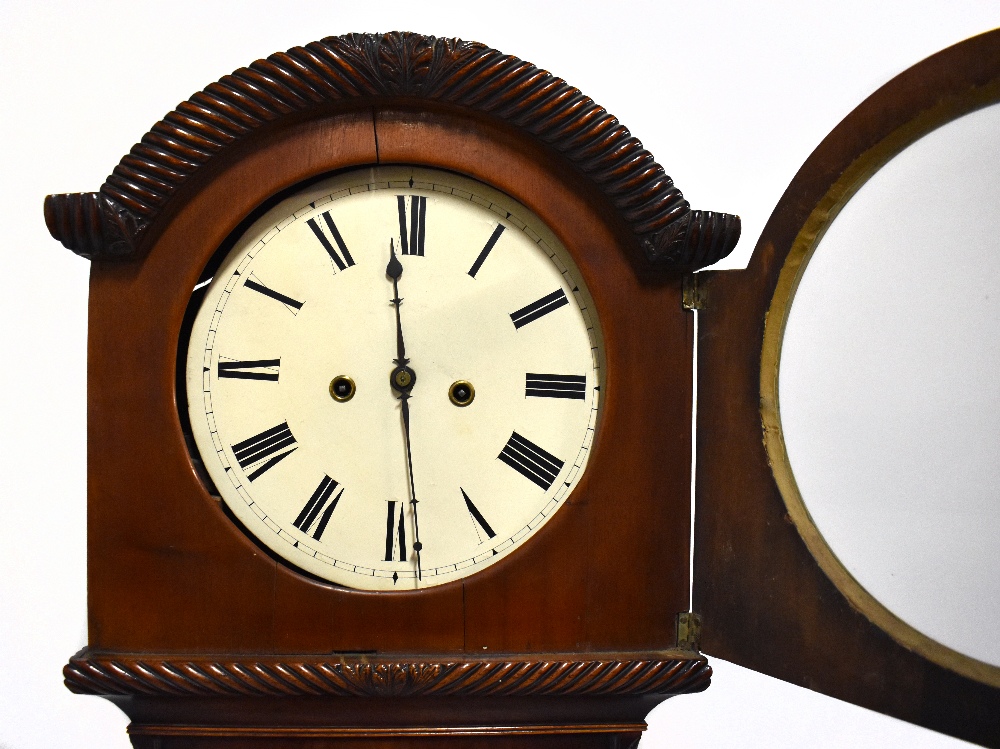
[394, 378]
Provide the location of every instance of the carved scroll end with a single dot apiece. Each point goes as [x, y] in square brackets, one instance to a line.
[694, 241]
[93, 225]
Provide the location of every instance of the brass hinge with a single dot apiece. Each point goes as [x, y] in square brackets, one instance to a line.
[689, 631]
[692, 292]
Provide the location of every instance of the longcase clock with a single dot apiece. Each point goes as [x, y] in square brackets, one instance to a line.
[390, 404]
[389, 417]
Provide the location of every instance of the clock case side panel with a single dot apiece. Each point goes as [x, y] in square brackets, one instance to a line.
[766, 601]
[170, 572]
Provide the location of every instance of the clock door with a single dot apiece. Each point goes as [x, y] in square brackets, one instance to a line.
[781, 578]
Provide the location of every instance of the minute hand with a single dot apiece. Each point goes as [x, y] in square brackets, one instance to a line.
[402, 380]
[417, 546]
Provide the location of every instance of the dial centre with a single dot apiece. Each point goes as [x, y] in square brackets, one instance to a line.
[402, 379]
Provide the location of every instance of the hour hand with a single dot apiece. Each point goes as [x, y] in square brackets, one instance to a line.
[395, 268]
[402, 377]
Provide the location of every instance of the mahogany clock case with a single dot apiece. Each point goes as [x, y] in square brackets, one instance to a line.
[181, 601]
[164, 545]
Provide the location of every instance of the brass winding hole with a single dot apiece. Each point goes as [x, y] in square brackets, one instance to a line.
[461, 393]
[342, 388]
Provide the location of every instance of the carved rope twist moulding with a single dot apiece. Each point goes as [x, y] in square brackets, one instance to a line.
[372, 67]
[115, 674]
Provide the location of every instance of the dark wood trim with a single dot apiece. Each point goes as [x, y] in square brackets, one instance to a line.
[766, 602]
[455, 722]
[360, 70]
[378, 676]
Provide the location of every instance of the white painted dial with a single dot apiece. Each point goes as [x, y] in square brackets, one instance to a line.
[488, 297]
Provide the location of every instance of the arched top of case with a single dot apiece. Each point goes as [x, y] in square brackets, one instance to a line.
[341, 73]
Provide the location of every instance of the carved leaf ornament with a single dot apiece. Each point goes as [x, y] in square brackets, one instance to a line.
[381, 68]
[91, 673]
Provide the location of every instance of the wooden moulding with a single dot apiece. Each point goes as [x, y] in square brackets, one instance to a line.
[773, 595]
[357, 70]
[372, 676]
[549, 701]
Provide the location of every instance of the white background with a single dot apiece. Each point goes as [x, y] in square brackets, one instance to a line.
[730, 97]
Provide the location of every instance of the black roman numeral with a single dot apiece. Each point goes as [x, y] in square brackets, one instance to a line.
[342, 263]
[477, 516]
[258, 369]
[531, 461]
[395, 533]
[310, 521]
[263, 449]
[555, 386]
[253, 283]
[486, 250]
[542, 307]
[412, 242]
